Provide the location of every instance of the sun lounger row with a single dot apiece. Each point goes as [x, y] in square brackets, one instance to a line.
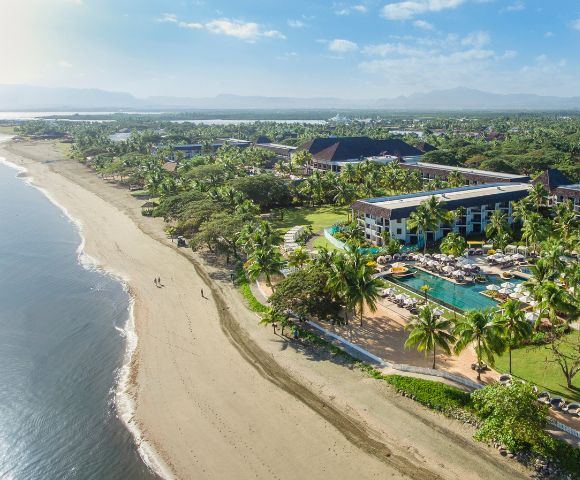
[560, 404]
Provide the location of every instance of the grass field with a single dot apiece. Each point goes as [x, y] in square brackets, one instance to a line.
[321, 241]
[530, 364]
[6, 130]
[317, 217]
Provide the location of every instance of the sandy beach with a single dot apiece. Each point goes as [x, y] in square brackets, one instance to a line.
[213, 394]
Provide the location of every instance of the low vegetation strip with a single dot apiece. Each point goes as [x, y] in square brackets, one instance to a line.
[244, 286]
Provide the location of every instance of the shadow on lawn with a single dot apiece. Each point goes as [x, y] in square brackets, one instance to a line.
[317, 217]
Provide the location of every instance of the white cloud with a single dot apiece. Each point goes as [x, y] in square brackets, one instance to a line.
[191, 25]
[342, 10]
[339, 45]
[576, 24]
[168, 18]
[248, 31]
[64, 64]
[509, 54]
[408, 9]
[388, 49]
[515, 7]
[423, 24]
[548, 34]
[296, 23]
[476, 39]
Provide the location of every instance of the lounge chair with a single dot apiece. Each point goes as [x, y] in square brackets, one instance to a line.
[478, 251]
[544, 397]
[505, 378]
[557, 403]
[572, 409]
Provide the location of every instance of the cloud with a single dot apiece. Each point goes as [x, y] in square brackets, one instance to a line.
[576, 24]
[515, 7]
[339, 45]
[476, 39]
[247, 31]
[423, 24]
[508, 55]
[343, 10]
[64, 64]
[168, 18]
[548, 34]
[191, 25]
[409, 9]
[296, 23]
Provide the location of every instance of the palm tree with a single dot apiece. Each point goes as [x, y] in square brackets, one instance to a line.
[298, 258]
[425, 289]
[477, 327]
[512, 323]
[498, 225]
[521, 209]
[553, 299]
[533, 230]
[565, 220]
[264, 261]
[455, 179]
[427, 216]
[537, 195]
[361, 287]
[552, 253]
[344, 193]
[454, 244]
[429, 331]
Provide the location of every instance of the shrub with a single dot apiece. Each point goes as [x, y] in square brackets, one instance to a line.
[438, 396]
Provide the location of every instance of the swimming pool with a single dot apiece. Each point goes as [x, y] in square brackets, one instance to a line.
[464, 297]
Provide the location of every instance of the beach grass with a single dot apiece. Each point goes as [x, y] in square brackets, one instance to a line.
[533, 364]
[317, 217]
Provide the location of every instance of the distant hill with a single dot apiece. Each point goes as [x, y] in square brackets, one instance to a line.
[23, 98]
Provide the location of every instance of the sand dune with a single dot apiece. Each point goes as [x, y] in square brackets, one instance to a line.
[218, 396]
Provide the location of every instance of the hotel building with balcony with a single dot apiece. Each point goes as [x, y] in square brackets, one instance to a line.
[391, 214]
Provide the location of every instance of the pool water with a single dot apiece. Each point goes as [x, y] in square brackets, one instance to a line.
[464, 297]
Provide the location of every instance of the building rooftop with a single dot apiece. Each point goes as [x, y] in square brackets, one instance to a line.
[472, 171]
[351, 148]
[400, 206]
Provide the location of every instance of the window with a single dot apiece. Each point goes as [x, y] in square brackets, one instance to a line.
[398, 220]
[399, 231]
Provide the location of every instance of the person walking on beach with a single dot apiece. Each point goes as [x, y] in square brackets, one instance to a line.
[202, 294]
[155, 281]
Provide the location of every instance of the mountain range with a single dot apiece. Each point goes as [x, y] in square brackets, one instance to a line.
[31, 98]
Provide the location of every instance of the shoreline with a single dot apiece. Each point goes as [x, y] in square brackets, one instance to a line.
[124, 403]
[198, 402]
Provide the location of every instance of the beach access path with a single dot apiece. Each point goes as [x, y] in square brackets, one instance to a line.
[218, 396]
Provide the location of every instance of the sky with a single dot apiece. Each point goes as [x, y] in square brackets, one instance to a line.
[301, 48]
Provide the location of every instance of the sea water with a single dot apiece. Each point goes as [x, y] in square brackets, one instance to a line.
[62, 348]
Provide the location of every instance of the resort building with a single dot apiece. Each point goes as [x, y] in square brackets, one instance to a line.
[192, 149]
[282, 152]
[560, 188]
[432, 171]
[333, 153]
[391, 214]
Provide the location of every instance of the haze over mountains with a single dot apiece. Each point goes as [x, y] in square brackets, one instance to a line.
[31, 98]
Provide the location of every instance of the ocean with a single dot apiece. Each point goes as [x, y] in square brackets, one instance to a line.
[62, 348]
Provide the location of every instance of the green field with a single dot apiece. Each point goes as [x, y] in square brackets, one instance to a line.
[533, 364]
[317, 217]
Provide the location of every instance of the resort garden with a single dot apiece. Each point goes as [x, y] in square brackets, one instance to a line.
[229, 204]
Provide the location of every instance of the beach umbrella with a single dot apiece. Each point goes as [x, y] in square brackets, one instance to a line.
[389, 291]
[388, 258]
[525, 298]
[410, 301]
[448, 269]
[381, 260]
[492, 287]
[534, 303]
[514, 295]
[519, 287]
[532, 316]
[504, 291]
[438, 312]
[400, 296]
[458, 273]
[508, 285]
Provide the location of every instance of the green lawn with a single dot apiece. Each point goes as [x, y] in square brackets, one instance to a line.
[530, 364]
[321, 241]
[317, 217]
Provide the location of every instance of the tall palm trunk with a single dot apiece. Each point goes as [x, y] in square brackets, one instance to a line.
[510, 353]
[362, 304]
[478, 358]
[434, 348]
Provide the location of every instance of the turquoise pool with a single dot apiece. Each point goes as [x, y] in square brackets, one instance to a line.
[464, 297]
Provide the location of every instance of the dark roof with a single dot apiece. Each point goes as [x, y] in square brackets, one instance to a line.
[553, 178]
[425, 147]
[348, 148]
[568, 191]
[263, 139]
[371, 205]
[471, 174]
